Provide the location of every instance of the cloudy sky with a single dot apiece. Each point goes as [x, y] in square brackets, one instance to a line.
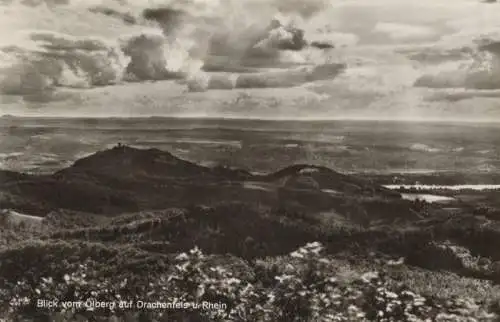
[410, 59]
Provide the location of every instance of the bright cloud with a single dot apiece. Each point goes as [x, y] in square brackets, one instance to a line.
[403, 32]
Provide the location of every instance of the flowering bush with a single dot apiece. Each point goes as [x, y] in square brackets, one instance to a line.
[303, 286]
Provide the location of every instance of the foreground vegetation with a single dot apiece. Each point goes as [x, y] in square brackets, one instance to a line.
[129, 259]
[305, 285]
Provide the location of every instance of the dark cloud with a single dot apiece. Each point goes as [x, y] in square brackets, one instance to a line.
[492, 47]
[168, 18]
[126, 17]
[322, 45]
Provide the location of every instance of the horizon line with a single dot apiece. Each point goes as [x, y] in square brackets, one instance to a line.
[268, 119]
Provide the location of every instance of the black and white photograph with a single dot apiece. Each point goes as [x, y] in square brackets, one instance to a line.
[249, 160]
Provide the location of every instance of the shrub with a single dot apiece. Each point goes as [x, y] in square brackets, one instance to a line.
[302, 286]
